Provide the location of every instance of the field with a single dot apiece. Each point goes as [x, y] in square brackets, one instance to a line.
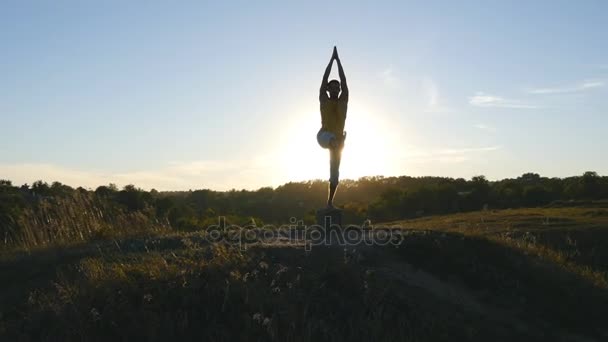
[528, 274]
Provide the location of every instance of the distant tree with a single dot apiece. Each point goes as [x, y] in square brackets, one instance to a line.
[82, 190]
[105, 191]
[41, 188]
[58, 189]
[536, 195]
[590, 183]
[591, 174]
[164, 206]
[530, 178]
[132, 197]
[479, 195]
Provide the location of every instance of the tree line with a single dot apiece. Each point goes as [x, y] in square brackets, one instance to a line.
[377, 198]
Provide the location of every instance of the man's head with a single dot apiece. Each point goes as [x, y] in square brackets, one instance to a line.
[333, 87]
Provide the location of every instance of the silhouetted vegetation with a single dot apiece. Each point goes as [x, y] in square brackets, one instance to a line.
[154, 274]
[41, 213]
[534, 274]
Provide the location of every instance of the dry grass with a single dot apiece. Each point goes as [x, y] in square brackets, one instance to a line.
[530, 274]
[508, 220]
[76, 219]
[573, 238]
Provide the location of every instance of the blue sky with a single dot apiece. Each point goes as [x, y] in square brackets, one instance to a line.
[223, 95]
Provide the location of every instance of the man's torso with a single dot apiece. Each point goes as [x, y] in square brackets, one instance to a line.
[333, 115]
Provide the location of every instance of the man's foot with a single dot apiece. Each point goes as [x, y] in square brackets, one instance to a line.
[331, 207]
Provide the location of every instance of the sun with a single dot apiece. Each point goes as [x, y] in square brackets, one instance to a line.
[367, 151]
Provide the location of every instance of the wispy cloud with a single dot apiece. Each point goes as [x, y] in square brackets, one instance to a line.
[448, 155]
[485, 127]
[573, 88]
[432, 95]
[389, 77]
[481, 99]
[431, 91]
[469, 150]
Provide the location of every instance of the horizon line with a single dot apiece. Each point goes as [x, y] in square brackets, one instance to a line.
[2, 180]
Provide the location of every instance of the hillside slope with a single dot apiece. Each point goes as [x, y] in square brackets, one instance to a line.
[533, 274]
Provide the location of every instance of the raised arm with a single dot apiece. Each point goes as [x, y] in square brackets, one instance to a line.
[342, 79]
[323, 89]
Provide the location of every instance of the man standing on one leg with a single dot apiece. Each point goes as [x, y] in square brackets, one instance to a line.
[333, 116]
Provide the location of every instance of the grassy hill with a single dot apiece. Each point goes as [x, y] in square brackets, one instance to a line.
[531, 274]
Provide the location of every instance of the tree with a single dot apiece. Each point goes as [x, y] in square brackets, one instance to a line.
[41, 188]
[591, 185]
[105, 191]
[132, 198]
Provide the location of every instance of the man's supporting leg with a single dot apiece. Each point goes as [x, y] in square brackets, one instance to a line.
[335, 155]
[332, 192]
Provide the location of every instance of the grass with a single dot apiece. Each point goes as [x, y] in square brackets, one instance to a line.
[575, 239]
[61, 221]
[527, 274]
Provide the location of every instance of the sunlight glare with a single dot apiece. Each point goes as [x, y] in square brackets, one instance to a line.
[367, 150]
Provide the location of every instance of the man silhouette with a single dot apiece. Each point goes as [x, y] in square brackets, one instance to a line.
[333, 116]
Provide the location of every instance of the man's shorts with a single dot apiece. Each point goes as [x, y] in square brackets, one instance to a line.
[324, 137]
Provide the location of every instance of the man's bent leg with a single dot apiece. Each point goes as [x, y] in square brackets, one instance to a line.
[325, 138]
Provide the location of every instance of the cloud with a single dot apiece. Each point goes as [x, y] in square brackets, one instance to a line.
[481, 99]
[485, 127]
[469, 150]
[432, 96]
[431, 92]
[389, 78]
[582, 86]
[448, 155]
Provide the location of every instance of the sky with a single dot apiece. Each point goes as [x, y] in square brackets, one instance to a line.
[224, 94]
